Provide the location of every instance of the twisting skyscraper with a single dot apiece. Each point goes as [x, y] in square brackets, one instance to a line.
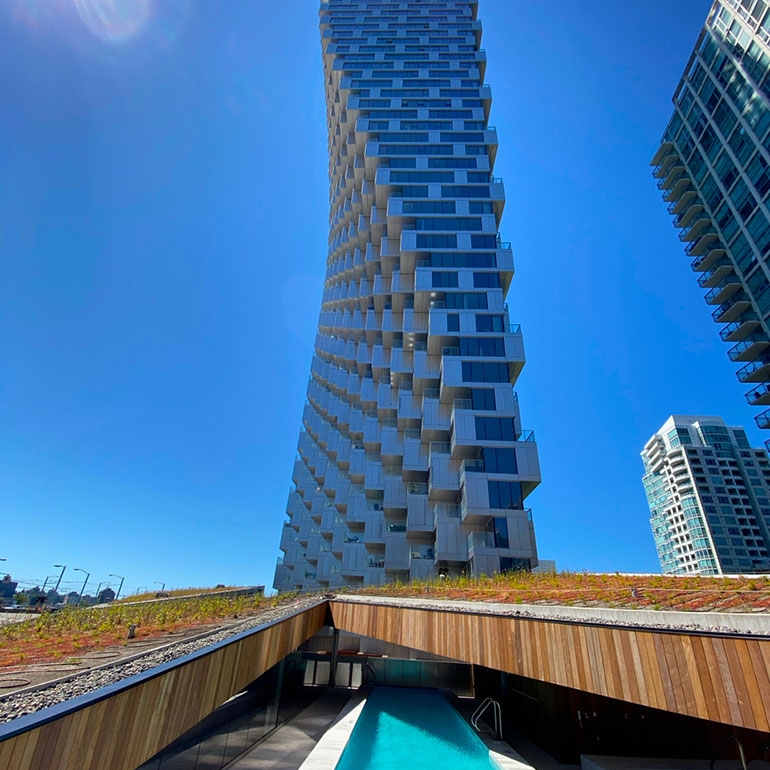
[412, 460]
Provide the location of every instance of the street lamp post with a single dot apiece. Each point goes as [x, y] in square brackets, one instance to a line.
[63, 567]
[85, 582]
[98, 588]
[45, 583]
[162, 585]
[119, 587]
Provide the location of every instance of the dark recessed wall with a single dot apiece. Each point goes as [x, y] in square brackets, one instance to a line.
[567, 723]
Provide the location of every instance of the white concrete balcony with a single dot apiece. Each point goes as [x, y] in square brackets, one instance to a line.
[392, 443]
[409, 406]
[374, 477]
[387, 397]
[415, 457]
[353, 559]
[288, 536]
[419, 515]
[372, 432]
[374, 529]
[394, 495]
[396, 551]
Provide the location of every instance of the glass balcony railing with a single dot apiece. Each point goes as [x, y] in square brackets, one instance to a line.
[758, 394]
[472, 466]
[440, 448]
[417, 488]
[698, 243]
[421, 552]
[752, 341]
[447, 510]
[396, 527]
[721, 265]
[462, 403]
[731, 328]
[751, 370]
[480, 540]
[763, 419]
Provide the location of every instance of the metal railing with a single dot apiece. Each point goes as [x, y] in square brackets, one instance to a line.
[490, 702]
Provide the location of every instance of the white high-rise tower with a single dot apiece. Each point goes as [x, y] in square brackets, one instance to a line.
[412, 459]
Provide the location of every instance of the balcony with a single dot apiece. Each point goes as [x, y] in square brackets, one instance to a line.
[763, 420]
[756, 371]
[445, 511]
[741, 328]
[417, 488]
[724, 289]
[421, 552]
[680, 185]
[759, 396]
[705, 241]
[478, 541]
[664, 150]
[730, 310]
[719, 270]
[688, 197]
[749, 348]
[708, 258]
[673, 173]
[691, 233]
[685, 218]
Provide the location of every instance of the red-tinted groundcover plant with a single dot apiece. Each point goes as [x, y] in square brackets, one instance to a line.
[68, 633]
[694, 594]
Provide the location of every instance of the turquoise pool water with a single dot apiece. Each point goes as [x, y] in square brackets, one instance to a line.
[402, 729]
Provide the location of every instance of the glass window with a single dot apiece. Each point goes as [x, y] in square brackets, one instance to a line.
[485, 371]
[444, 279]
[499, 460]
[486, 280]
[489, 323]
[504, 494]
[483, 399]
[498, 526]
[453, 322]
[495, 429]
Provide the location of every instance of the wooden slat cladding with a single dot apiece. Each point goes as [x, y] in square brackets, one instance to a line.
[718, 678]
[123, 730]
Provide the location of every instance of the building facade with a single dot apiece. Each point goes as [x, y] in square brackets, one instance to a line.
[412, 459]
[713, 168]
[709, 497]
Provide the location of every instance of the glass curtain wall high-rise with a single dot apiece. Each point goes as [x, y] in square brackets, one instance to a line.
[709, 497]
[713, 168]
[412, 458]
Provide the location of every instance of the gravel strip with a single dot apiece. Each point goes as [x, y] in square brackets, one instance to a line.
[24, 702]
[659, 620]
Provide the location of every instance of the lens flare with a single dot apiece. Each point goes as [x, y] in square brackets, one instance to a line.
[114, 20]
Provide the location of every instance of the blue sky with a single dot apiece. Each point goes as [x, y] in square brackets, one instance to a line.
[163, 215]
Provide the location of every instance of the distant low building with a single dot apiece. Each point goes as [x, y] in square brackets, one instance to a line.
[7, 587]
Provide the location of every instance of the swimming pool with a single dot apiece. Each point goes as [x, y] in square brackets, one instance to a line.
[401, 729]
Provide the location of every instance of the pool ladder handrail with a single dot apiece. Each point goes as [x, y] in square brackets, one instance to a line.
[485, 704]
